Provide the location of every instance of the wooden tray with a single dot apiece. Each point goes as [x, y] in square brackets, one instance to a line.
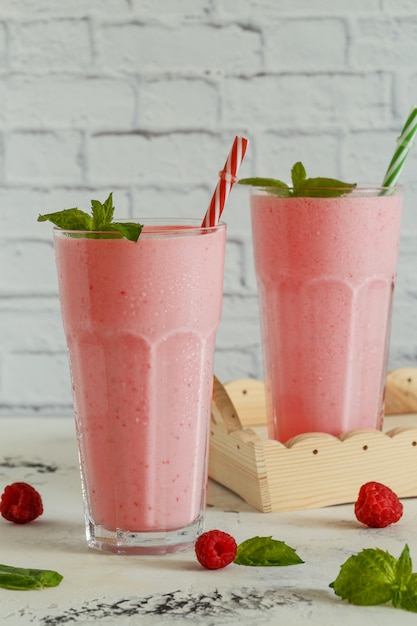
[314, 469]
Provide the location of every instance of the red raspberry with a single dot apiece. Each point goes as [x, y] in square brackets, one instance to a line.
[20, 503]
[377, 505]
[215, 549]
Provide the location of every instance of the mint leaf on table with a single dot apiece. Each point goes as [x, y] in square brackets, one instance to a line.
[266, 552]
[301, 185]
[23, 579]
[366, 578]
[376, 577]
[402, 576]
[409, 595]
[100, 220]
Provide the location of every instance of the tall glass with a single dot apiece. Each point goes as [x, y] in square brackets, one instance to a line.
[140, 321]
[326, 270]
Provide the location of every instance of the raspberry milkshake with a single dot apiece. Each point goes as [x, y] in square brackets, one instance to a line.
[326, 268]
[140, 321]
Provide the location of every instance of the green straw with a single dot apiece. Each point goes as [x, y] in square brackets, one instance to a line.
[404, 144]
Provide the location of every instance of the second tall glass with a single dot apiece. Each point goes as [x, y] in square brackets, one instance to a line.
[326, 270]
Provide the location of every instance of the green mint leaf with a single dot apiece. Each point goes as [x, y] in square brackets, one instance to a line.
[262, 182]
[276, 187]
[322, 188]
[102, 213]
[265, 551]
[69, 219]
[100, 221]
[301, 185]
[98, 213]
[21, 578]
[298, 174]
[109, 208]
[367, 578]
[402, 577]
[18, 582]
[404, 566]
[130, 230]
[408, 598]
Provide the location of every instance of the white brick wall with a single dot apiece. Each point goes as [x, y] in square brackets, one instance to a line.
[144, 97]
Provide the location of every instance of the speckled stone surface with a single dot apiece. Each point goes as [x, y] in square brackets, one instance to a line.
[174, 589]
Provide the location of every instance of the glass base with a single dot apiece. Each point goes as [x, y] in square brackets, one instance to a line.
[152, 542]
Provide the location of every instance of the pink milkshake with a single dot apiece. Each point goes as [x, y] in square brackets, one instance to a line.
[140, 321]
[326, 270]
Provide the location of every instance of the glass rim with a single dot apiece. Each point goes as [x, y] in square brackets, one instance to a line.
[362, 189]
[155, 227]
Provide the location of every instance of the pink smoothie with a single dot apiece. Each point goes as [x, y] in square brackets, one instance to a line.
[326, 269]
[140, 321]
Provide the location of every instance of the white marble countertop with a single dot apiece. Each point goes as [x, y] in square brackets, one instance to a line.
[175, 589]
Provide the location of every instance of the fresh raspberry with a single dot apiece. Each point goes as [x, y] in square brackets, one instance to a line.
[20, 503]
[377, 505]
[215, 549]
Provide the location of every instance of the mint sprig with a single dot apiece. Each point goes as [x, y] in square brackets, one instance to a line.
[301, 185]
[23, 579]
[376, 577]
[100, 220]
[266, 552]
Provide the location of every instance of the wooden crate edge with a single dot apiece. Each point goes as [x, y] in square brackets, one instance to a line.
[272, 477]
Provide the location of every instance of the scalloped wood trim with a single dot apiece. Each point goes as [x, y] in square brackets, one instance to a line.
[312, 470]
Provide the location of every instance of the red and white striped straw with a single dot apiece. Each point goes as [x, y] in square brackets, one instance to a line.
[227, 178]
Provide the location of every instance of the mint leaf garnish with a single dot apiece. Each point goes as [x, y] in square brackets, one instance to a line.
[265, 551]
[301, 185]
[376, 577]
[100, 220]
[70, 219]
[21, 578]
[322, 188]
[275, 187]
[102, 213]
[298, 174]
[130, 230]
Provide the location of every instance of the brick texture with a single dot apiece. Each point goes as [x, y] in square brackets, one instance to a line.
[144, 97]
